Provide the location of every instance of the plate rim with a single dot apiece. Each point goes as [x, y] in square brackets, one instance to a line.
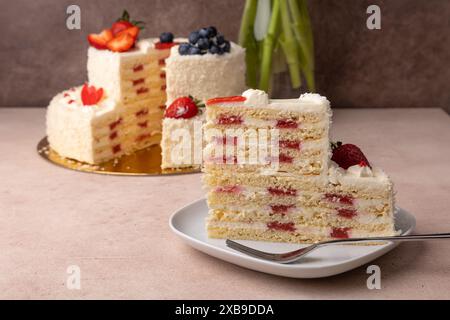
[285, 267]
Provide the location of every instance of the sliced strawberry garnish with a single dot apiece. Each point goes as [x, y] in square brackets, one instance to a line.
[132, 31]
[225, 100]
[183, 107]
[347, 155]
[119, 26]
[121, 43]
[100, 40]
[90, 95]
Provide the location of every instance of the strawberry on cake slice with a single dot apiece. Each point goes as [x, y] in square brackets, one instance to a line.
[181, 142]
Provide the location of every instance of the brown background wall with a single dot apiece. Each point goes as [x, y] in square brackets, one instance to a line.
[405, 64]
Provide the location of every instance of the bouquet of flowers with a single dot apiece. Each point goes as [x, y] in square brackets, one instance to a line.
[277, 36]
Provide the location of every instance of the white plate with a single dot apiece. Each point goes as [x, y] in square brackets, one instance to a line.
[189, 224]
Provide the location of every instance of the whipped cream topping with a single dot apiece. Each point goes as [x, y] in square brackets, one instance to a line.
[360, 171]
[255, 97]
[338, 175]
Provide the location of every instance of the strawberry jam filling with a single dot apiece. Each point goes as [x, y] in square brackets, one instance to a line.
[282, 192]
[288, 144]
[162, 75]
[347, 213]
[279, 226]
[163, 87]
[162, 62]
[340, 233]
[284, 158]
[113, 135]
[229, 120]
[138, 81]
[142, 112]
[226, 99]
[138, 68]
[343, 199]
[227, 140]
[228, 189]
[143, 124]
[281, 208]
[287, 124]
[117, 148]
[141, 90]
[114, 124]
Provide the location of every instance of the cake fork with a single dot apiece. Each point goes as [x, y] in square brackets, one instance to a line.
[291, 256]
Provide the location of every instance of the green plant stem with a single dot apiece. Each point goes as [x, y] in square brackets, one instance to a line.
[248, 41]
[302, 32]
[268, 47]
[289, 46]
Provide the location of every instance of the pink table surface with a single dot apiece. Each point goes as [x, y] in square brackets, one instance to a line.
[116, 228]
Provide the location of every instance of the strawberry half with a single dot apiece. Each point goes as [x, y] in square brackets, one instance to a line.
[100, 40]
[132, 31]
[184, 107]
[125, 22]
[121, 43]
[120, 25]
[90, 95]
[347, 155]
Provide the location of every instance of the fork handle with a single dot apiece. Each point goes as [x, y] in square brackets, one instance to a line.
[416, 237]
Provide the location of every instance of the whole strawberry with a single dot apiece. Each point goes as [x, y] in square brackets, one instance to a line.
[184, 107]
[347, 155]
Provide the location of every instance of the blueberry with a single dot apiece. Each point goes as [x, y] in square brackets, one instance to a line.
[183, 49]
[215, 50]
[220, 39]
[212, 31]
[166, 37]
[193, 37]
[226, 47]
[204, 33]
[194, 50]
[203, 43]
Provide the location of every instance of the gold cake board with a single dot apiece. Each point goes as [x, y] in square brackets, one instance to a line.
[145, 162]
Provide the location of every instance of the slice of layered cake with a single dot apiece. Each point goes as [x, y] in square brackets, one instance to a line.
[204, 66]
[307, 197]
[181, 142]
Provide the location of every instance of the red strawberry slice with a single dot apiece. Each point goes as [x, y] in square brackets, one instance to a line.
[132, 31]
[121, 43]
[347, 155]
[225, 100]
[90, 95]
[119, 26]
[183, 107]
[164, 45]
[100, 40]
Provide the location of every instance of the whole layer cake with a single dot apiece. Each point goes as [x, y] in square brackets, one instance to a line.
[308, 197]
[121, 108]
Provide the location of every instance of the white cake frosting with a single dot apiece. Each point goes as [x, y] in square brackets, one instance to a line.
[357, 175]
